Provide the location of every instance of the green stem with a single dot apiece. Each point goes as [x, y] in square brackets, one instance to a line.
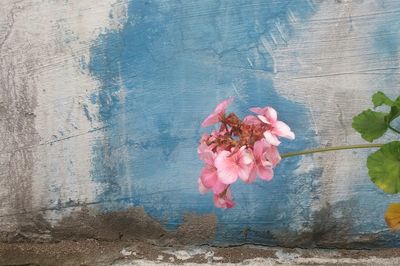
[395, 130]
[337, 148]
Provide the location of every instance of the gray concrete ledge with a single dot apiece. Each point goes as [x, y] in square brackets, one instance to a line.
[93, 252]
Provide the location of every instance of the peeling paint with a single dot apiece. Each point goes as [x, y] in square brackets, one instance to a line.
[100, 114]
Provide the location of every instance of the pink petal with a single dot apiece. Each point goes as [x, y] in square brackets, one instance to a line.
[257, 110]
[272, 155]
[224, 201]
[268, 112]
[244, 174]
[204, 137]
[202, 147]
[283, 130]
[246, 157]
[206, 154]
[211, 120]
[265, 163]
[208, 157]
[251, 120]
[218, 111]
[259, 147]
[227, 176]
[219, 187]
[227, 169]
[271, 114]
[263, 119]
[221, 107]
[246, 161]
[271, 139]
[218, 201]
[265, 173]
[230, 204]
[209, 176]
[202, 189]
[252, 175]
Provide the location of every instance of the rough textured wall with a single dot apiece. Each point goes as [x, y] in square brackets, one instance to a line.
[101, 103]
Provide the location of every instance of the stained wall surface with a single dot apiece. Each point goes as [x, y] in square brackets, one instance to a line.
[101, 102]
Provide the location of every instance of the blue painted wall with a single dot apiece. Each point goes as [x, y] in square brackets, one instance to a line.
[161, 75]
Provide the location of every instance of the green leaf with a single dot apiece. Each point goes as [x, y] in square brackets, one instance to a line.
[380, 98]
[384, 167]
[397, 102]
[394, 113]
[371, 125]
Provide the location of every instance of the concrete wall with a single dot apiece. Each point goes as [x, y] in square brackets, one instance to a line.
[101, 101]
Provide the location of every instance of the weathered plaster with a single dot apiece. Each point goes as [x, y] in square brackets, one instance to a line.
[101, 103]
[45, 131]
[18, 135]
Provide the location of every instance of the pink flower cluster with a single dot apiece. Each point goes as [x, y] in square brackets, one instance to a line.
[241, 149]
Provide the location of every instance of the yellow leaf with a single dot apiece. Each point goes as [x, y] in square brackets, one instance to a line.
[392, 216]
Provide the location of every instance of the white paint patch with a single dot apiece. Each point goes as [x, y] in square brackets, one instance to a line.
[305, 165]
[187, 253]
[57, 36]
[285, 256]
[125, 252]
[330, 67]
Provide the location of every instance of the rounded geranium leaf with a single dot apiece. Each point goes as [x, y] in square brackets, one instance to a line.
[384, 167]
[380, 98]
[370, 124]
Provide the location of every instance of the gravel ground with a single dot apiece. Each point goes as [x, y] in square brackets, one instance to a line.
[92, 252]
